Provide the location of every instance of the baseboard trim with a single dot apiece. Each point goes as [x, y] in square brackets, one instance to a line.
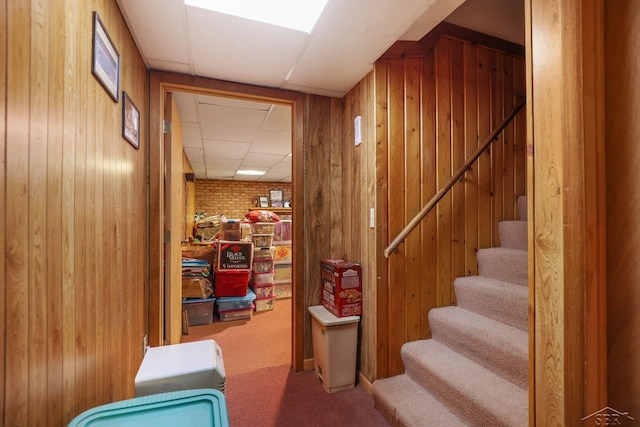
[364, 382]
[307, 364]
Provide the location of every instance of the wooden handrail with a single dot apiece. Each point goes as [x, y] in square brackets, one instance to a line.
[455, 178]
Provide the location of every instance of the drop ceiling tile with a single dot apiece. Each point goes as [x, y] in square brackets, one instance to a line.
[267, 52]
[275, 177]
[191, 135]
[267, 142]
[232, 124]
[260, 160]
[195, 155]
[176, 67]
[221, 174]
[281, 167]
[187, 106]
[157, 28]
[221, 163]
[233, 102]
[227, 149]
[278, 119]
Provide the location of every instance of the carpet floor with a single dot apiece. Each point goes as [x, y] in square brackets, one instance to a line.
[263, 390]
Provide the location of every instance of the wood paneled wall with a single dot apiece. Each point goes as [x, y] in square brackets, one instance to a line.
[72, 215]
[431, 112]
[623, 204]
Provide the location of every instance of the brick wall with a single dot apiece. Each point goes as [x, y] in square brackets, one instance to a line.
[233, 198]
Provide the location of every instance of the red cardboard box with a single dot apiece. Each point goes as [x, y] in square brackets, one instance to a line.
[341, 287]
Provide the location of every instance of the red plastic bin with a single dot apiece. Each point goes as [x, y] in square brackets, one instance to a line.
[231, 283]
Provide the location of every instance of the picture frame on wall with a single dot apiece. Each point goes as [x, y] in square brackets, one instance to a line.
[277, 198]
[106, 59]
[130, 121]
[264, 202]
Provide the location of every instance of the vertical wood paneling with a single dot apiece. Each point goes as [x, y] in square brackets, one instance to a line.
[429, 189]
[497, 148]
[381, 137]
[457, 148]
[568, 262]
[3, 212]
[413, 261]
[74, 239]
[358, 198]
[509, 160]
[463, 93]
[38, 202]
[17, 253]
[396, 210]
[622, 45]
[471, 144]
[444, 169]
[55, 137]
[484, 164]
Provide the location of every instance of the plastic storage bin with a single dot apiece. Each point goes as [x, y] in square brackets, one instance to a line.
[231, 283]
[263, 227]
[264, 253]
[265, 278]
[188, 408]
[183, 366]
[335, 343]
[262, 240]
[230, 315]
[236, 303]
[263, 266]
[264, 291]
[265, 304]
[199, 311]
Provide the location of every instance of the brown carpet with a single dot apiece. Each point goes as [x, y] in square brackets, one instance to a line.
[261, 388]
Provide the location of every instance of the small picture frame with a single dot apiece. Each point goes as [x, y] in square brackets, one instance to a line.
[130, 121]
[277, 198]
[264, 202]
[106, 59]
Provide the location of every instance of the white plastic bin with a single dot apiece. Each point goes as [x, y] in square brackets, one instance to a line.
[185, 366]
[335, 345]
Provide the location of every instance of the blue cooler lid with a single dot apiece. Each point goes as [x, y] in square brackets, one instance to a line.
[249, 297]
[188, 408]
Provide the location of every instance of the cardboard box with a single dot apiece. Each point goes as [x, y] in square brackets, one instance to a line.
[232, 255]
[341, 287]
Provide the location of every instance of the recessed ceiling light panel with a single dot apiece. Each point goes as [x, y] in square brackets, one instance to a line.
[299, 15]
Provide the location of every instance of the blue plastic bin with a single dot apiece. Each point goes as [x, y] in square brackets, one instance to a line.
[188, 408]
[236, 303]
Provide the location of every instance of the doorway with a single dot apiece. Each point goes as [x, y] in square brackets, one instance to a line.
[162, 84]
[237, 150]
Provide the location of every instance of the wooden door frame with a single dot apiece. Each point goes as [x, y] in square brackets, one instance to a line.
[567, 207]
[163, 82]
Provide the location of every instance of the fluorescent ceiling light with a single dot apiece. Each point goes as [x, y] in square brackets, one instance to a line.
[298, 15]
[250, 172]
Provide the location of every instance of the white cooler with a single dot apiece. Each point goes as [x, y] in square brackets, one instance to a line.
[335, 348]
[185, 366]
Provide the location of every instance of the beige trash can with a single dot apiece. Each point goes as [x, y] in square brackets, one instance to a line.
[335, 348]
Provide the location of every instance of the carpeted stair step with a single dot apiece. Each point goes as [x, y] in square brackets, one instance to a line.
[404, 403]
[494, 345]
[521, 203]
[513, 234]
[506, 264]
[470, 391]
[502, 301]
